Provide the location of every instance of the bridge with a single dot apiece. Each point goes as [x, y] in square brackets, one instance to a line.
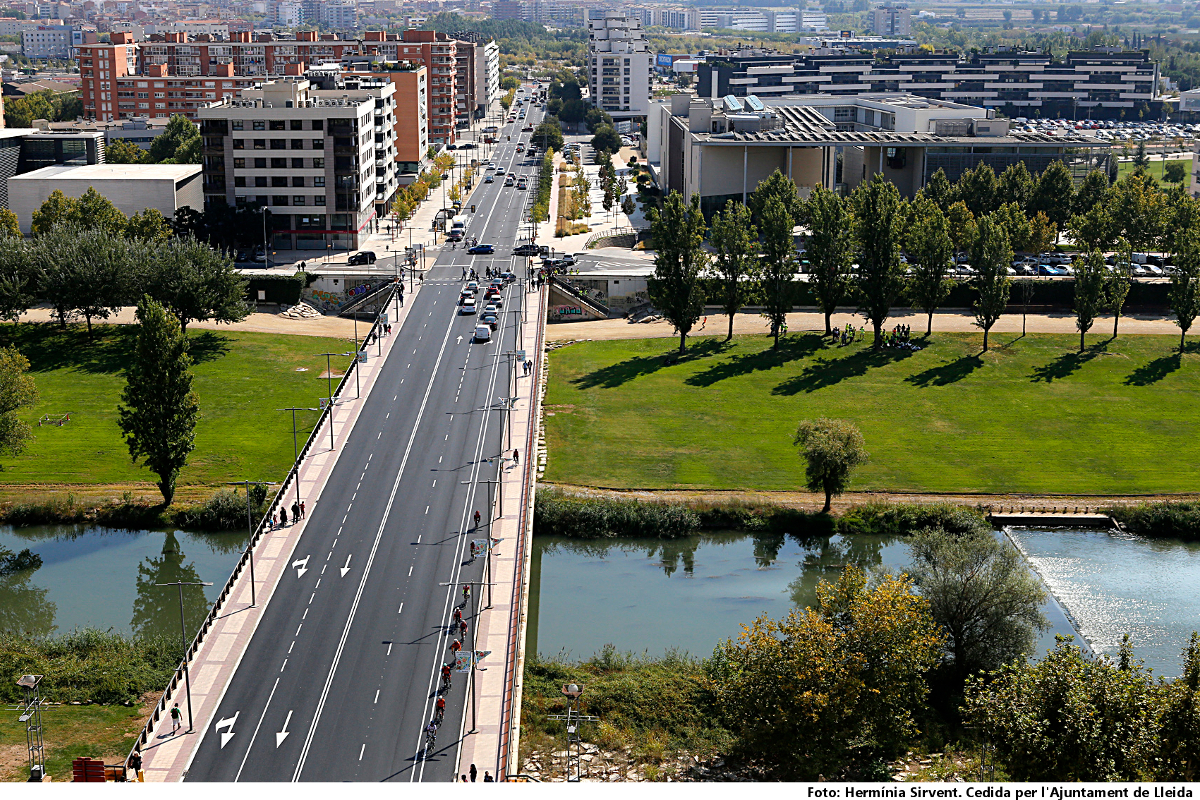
[322, 659]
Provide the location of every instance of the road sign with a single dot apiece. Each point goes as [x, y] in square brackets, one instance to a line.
[322, 402]
[478, 546]
[362, 357]
[462, 661]
[520, 355]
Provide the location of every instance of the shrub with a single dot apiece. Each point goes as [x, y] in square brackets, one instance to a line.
[224, 511]
[902, 519]
[1160, 520]
[557, 514]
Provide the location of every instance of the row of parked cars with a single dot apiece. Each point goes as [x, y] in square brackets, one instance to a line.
[1048, 265]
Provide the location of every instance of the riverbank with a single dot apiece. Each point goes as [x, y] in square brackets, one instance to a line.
[200, 508]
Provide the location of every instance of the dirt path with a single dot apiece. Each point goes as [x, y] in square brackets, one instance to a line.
[813, 502]
[947, 321]
[255, 323]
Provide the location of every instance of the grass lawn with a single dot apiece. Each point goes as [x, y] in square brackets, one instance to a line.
[1033, 415]
[1154, 170]
[96, 731]
[241, 378]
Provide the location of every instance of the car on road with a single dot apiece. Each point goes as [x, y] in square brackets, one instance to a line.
[361, 257]
[527, 129]
[489, 179]
[522, 184]
[491, 165]
[468, 306]
[482, 249]
[483, 333]
[491, 320]
[525, 250]
[509, 181]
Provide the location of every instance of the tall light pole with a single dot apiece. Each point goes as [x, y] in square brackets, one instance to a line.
[187, 680]
[249, 551]
[329, 384]
[296, 447]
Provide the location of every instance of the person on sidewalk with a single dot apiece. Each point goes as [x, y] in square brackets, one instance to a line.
[516, 457]
[474, 772]
[283, 517]
[176, 718]
[135, 766]
[295, 511]
[303, 513]
[487, 777]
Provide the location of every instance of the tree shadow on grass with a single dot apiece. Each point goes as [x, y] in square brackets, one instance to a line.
[207, 346]
[615, 375]
[50, 347]
[1155, 371]
[1063, 366]
[825, 372]
[946, 374]
[791, 348]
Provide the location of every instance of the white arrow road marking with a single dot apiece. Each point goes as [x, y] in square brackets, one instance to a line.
[301, 566]
[346, 568]
[227, 723]
[459, 340]
[283, 734]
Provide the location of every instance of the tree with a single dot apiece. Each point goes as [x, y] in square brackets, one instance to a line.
[831, 448]
[1139, 211]
[977, 188]
[159, 409]
[940, 190]
[549, 133]
[780, 187]
[1094, 229]
[572, 111]
[1016, 225]
[678, 233]
[830, 249]
[1183, 216]
[962, 226]
[20, 112]
[149, 225]
[981, 593]
[1042, 233]
[990, 256]
[55, 209]
[1175, 172]
[627, 205]
[829, 691]
[10, 226]
[1141, 161]
[196, 282]
[1119, 282]
[179, 143]
[123, 151]
[930, 254]
[733, 240]
[1184, 293]
[94, 211]
[606, 138]
[1090, 276]
[1016, 186]
[1053, 193]
[594, 118]
[17, 391]
[778, 264]
[878, 216]
[1091, 192]
[1179, 751]
[17, 276]
[1072, 716]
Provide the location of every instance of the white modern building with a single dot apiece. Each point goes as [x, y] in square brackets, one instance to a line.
[130, 187]
[323, 161]
[51, 41]
[619, 64]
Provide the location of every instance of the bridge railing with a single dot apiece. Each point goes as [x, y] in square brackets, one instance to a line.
[277, 501]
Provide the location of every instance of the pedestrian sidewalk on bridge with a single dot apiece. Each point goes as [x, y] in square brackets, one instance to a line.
[166, 757]
[500, 629]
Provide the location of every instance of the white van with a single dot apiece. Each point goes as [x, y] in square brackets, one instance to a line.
[483, 333]
[459, 222]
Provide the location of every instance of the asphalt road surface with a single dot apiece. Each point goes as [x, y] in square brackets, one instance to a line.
[341, 677]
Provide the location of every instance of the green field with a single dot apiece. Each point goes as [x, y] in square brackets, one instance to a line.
[1033, 415]
[96, 731]
[1154, 170]
[241, 379]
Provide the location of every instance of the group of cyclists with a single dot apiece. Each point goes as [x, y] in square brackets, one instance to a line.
[458, 628]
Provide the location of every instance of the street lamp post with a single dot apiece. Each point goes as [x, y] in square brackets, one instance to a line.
[249, 552]
[187, 680]
[295, 447]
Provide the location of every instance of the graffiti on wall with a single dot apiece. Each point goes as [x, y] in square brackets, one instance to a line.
[329, 301]
[566, 311]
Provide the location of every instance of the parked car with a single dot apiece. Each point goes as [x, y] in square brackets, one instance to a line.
[361, 257]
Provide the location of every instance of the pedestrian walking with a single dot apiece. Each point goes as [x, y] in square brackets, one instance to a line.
[176, 718]
[274, 520]
[282, 517]
[516, 457]
[295, 511]
[303, 513]
[135, 766]
[464, 274]
[474, 772]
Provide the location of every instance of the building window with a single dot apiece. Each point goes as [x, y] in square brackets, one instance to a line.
[297, 144]
[278, 125]
[239, 181]
[260, 125]
[279, 181]
[261, 180]
[260, 144]
[319, 200]
[239, 163]
[260, 163]
[297, 124]
[319, 163]
[279, 200]
[319, 180]
[279, 144]
[238, 144]
[298, 200]
[297, 180]
[318, 124]
[297, 163]
[318, 144]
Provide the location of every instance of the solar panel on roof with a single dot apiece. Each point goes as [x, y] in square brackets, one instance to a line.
[754, 103]
[732, 103]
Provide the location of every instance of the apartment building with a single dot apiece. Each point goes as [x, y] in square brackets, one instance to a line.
[411, 97]
[439, 53]
[478, 63]
[51, 41]
[891, 21]
[1098, 84]
[619, 63]
[322, 161]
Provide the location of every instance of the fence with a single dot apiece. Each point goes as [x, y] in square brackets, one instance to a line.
[624, 231]
[280, 497]
[575, 294]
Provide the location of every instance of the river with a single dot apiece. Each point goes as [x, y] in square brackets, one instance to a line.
[105, 578]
